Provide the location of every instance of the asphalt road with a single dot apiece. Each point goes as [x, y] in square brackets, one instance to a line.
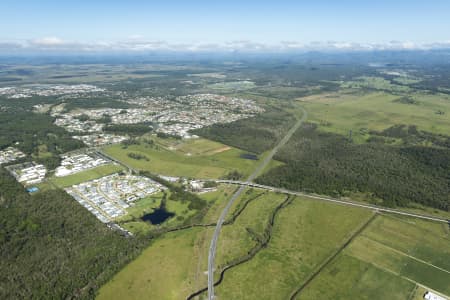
[339, 201]
[258, 170]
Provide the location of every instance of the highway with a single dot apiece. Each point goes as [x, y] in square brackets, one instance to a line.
[339, 201]
[260, 168]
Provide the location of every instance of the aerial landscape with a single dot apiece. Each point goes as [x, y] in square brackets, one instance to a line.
[199, 150]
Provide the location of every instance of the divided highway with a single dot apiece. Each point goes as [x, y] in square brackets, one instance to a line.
[258, 170]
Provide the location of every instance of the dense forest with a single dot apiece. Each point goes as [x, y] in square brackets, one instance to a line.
[328, 163]
[53, 248]
[256, 135]
[35, 134]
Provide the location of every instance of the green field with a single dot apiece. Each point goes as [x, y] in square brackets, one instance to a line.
[235, 240]
[197, 158]
[80, 177]
[412, 249]
[171, 268]
[344, 111]
[395, 258]
[133, 222]
[305, 233]
[218, 200]
[350, 278]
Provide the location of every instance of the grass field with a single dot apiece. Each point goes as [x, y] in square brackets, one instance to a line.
[412, 249]
[235, 240]
[218, 200]
[215, 199]
[197, 158]
[90, 174]
[146, 205]
[341, 112]
[304, 235]
[395, 258]
[171, 268]
[350, 278]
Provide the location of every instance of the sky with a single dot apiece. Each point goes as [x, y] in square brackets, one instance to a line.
[100, 25]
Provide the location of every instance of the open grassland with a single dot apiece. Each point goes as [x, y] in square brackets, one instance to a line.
[201, 159]
[304, 235]
[350, 278]
[133, 222]
[171, 268]
[217, 201]
[395, 258]
[343, 111]
[238, 238]
[83, 176]
[415, 250]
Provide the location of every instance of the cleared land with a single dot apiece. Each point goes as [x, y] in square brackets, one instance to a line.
[344, 111]
[174, 266]
[304, 235]
[237, 239]
[207, 159]
[393, 258]
[168, 269]
[80, 177]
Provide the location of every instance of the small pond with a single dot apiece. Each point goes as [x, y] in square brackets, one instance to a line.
[249, 156]
[158, 216]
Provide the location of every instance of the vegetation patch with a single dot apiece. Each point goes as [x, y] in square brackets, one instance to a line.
[328, 163]
[50, 233]
[300, 242]
[257, 134]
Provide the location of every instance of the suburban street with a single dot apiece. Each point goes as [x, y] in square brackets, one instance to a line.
[260, 168]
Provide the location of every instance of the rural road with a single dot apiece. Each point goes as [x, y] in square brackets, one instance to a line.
[258, 170]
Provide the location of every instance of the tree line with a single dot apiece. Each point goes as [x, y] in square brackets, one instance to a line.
[328, 163]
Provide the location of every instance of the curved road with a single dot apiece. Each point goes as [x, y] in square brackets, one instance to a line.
[258, 170]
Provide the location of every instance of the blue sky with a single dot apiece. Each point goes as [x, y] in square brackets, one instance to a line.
[188, 22]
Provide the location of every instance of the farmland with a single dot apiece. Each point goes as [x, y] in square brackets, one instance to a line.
[360, 112]
[404, 255]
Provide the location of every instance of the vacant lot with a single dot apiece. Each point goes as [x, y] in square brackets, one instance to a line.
[80, 177]
[195, 159]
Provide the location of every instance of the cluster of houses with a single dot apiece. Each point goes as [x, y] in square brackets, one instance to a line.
[28, 173]
[109, 197]
[10, 154]
[72, 124]
[99, 139]
[75, 163]
[27, 91]
[173, 116]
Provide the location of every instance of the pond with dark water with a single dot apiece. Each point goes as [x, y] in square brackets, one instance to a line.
[158, 216]
[249, 156]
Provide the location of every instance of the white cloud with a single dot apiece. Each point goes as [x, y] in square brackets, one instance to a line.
[137, 43]
[48, 41]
